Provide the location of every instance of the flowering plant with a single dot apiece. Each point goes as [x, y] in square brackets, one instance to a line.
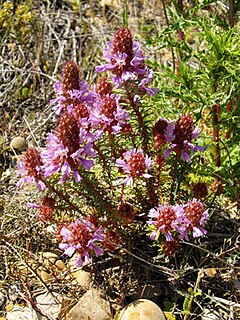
[104, 161]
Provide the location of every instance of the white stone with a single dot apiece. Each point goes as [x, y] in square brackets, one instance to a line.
[141, 309]
[60, 265]
[48, 305]
[83, 278]
[50, 257]
[90, 307]
[22, 313]
[210, 315]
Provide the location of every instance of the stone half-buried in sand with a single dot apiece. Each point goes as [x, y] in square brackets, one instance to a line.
[141, 309]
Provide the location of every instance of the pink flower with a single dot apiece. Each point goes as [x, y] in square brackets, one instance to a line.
[197, 217]
[126, 61]
[167, 219]
[46, 208]
[67, 148]
[30, 169]
[72, 90]
[184, 132]
[82, 238]
[136, 165]
[108, 115]
[175, 222]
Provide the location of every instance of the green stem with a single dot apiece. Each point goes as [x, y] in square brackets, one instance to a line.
[141, 124]
[171, 48]
[216, 136]
[62, 196]
[172, 193]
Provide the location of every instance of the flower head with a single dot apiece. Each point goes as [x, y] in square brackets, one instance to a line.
[197, 217]
[72, 90]
[109, 115]
[67, 147]
[30, 169]
[170, 247]
[104, 87]
[127, 62]
[127, 212]
[112, 238]
[70, 77]
[82, 238]
[163, 132]
[200, 190]
[45, 208]
[135, 164]
[184, 132]
[167, 219]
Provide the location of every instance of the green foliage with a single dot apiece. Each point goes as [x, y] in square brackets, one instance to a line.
[17, 22]
[207, 74]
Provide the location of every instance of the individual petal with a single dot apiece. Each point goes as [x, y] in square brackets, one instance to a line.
[68, 251]
[169, 236]
[185, 156]
[146, 175]
[154, 235]
[78, 262]
[77, 176]
[128, 181]
[199, 232]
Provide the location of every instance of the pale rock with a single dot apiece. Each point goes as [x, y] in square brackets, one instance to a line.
[50, 257]
[49, 305]
[45, 276]
[60, 265]
[90, 307]
[18, 144]
[22, 313]
[141, 309]
[3, 298]
[83, 278]
[210, 315]
[109, 3]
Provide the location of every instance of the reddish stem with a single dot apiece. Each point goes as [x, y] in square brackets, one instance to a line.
[229, 109]
[231, 13]
[180, 36]
[216, 132]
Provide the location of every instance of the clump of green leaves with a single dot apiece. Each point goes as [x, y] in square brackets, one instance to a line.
[17, 21]
[202, 78]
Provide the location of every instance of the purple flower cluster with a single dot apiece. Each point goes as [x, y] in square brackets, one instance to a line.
[72, 90]
[30, 169]
[126, 61]
[80, 237]
[108, 115]
[84, 117]
[75, 97]
[135, 165]
[178, 220]
[65, 155]
[179, 135]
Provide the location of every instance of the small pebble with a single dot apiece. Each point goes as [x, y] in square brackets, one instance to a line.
[3, 298]
[18, 144]
[141, 309]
